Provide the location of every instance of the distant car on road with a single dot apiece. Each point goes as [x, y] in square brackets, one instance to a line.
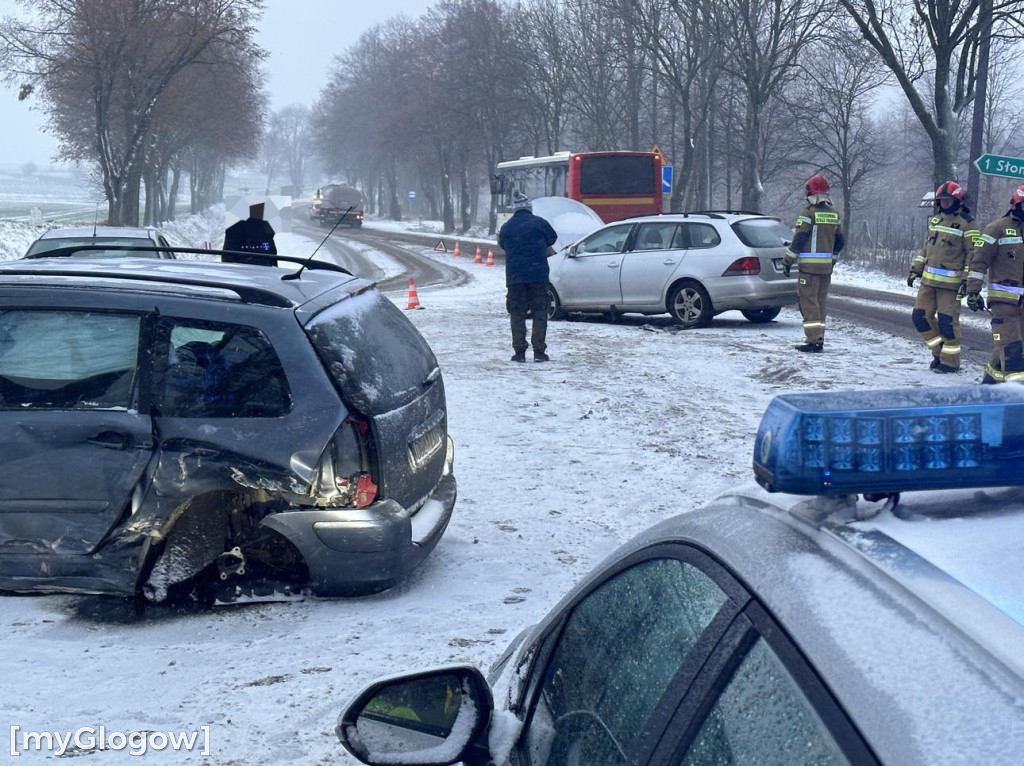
[118, 237]
[691, 266]
[773, 628]
[166, 428]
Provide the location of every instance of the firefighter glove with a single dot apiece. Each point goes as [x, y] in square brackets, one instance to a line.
[962, 290]
[975, 302]
[787, 268]
[910, 278]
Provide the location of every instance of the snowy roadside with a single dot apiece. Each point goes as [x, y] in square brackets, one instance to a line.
[557, 464]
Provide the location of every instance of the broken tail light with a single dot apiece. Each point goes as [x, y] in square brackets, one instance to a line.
[344, 477]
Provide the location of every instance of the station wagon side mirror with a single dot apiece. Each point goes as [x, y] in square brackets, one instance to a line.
[787, 242]
[437, 717]
[573, 249]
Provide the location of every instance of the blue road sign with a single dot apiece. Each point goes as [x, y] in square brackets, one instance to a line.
[412, 194]
[666, 179]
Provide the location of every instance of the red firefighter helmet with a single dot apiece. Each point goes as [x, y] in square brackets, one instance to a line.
[817, 184]
[1018, 197]
[950, 190]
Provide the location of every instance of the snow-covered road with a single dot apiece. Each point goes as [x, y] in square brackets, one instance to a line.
[557, 464]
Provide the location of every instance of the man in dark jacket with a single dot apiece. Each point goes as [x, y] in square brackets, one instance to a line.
[527, 240]
[253, 235]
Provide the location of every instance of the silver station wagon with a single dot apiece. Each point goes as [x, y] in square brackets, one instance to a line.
[690, 265]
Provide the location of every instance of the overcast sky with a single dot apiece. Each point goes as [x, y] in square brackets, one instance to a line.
[301, 37]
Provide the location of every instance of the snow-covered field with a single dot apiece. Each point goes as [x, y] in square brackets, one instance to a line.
[557, 465]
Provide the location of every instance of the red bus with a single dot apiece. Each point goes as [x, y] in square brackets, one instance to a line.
[615, 185]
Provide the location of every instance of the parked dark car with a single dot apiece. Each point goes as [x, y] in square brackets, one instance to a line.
[773, 628]
[164, 424]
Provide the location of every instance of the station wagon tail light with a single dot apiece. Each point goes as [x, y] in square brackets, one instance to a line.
[343, 478]
[849, 443]
[743, 267]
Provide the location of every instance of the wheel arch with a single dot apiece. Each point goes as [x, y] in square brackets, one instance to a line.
[679, 281]
[198, 531]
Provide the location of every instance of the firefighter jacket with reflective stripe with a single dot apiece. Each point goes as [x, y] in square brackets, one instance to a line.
[946, 256]
[1000, 254]
[817, 238]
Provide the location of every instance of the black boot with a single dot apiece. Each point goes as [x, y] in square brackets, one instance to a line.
[519, 356]
[810, 348]
[944, 369]
[540, 356]
[935, 363]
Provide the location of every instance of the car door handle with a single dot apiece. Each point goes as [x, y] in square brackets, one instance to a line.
[112, 440]
[613, 265]
[669, 262]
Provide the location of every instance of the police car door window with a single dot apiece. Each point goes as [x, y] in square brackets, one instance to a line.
[614, 659]
[610, 240]
[762, 717]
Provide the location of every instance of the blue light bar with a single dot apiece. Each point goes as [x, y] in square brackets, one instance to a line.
[854, 442]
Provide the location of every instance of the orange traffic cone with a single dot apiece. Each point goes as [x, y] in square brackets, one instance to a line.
[456, 252]
[414, 298]
[490, 257]
[478, 259]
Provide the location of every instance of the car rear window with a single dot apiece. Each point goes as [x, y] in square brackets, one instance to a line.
[373, 353]
[41, 246]
[762, 232]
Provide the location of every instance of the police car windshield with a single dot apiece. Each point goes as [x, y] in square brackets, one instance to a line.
[761, 232]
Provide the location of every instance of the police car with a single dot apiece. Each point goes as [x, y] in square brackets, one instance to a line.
[863, 605]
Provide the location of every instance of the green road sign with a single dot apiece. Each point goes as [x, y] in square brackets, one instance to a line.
[994, 165]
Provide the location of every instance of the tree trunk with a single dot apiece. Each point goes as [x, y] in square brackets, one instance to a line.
[395, 207]
[172, 194]
[464, 199]
[751, 193]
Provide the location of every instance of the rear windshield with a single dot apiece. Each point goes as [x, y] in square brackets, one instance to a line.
[41, 246]
[375, 356]
[762, 232]
[617, 175]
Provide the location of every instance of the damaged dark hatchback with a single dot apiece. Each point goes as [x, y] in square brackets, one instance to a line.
[174, 428]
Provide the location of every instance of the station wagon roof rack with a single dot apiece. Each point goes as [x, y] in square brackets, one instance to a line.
[245, 293]
[67, 252]
[705, 213]
[720, 213]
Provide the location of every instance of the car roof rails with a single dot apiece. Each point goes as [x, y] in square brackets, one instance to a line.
[245, 293]
[705, 213]
[721, 213]
[270, 258]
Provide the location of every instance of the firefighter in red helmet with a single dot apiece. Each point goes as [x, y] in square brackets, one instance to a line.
[942, 266]
[817, 240]
[999, 253]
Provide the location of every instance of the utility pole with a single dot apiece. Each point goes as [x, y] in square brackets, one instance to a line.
[980, 93]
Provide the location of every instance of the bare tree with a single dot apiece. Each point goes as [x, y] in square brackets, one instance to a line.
[835, 87]
[115, 60]
[765, 39]
[931, 43]
[293, 128]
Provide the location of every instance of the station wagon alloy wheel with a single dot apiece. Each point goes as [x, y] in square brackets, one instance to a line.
[690, 305]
